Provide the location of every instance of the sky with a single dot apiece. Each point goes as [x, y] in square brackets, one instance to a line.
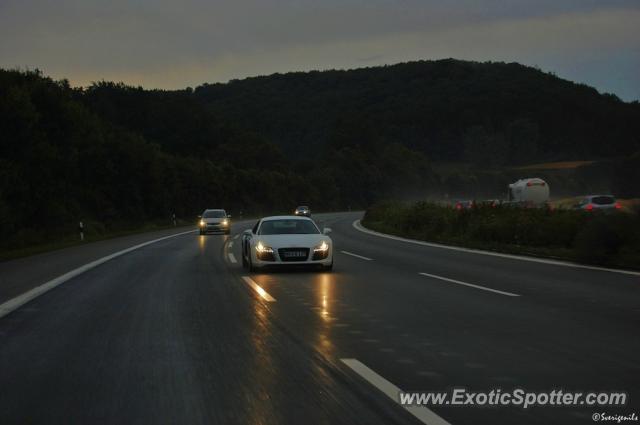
[179, 43]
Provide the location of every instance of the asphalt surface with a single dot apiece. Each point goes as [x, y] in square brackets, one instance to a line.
[172, 333]
[21, 274]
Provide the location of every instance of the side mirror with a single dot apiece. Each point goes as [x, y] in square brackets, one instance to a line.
[199, 217]
[248, 232]
[228, 215]
[326, 230]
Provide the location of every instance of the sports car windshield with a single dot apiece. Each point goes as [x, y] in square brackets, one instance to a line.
[288, 227]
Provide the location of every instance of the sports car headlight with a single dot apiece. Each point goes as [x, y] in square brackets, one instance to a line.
[262, 249]
[323, 247]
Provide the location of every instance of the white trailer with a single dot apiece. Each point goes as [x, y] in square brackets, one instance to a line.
[532, 192]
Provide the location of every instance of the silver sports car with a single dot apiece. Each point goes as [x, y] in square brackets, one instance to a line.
[286, 240]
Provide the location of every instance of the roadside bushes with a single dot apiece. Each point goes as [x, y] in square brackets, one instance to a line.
[610, 239]
[576, 235]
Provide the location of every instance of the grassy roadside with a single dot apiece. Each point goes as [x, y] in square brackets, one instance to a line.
[90, 236]
[611, 240]
[95, 232]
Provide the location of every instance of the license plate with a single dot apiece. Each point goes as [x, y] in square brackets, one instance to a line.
[295, 254]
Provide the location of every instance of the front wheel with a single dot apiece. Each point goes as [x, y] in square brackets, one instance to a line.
[252, 268]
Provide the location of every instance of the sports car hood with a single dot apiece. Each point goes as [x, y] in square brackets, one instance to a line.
[293, 241]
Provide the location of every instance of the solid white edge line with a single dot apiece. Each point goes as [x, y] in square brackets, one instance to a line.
[358, 226]
[484, 288]
[264, 294]
[423, 413]
[17, 302]
[232, 258]
[357, 256]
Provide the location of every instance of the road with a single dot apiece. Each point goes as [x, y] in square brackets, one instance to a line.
[178, 332]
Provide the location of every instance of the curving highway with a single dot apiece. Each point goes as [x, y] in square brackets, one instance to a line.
[177, 332]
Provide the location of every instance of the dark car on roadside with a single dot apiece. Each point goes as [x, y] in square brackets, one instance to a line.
[598, 203]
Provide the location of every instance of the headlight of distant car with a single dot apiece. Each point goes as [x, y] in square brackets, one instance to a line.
[203, 223]
[225, 222]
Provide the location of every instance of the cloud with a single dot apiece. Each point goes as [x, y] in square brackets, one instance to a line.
[172, 44]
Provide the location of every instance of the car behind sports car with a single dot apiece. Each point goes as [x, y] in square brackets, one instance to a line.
[214, 221]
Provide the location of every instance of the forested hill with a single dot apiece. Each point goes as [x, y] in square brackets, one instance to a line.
[447, 109]
[114, 155]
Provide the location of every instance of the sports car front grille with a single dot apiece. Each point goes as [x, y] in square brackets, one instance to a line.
[293, 254]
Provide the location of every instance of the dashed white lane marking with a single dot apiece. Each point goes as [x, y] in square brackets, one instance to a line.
[230, 245]
[17, 302]
[236, 236]
[357, 256]
[471, 285]
[232, 258]
[357, 225]
[264, 294]
[424, 414]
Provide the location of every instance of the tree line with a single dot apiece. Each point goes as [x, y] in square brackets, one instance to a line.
[449, 110]
[118, 155]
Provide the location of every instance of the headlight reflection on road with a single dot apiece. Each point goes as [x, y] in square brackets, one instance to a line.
[202, 242]
[325, 312]
[324, 286]
[325, 292]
